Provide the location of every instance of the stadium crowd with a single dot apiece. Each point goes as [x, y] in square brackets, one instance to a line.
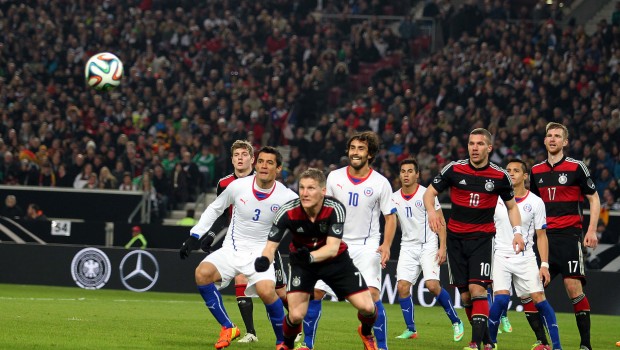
[199, 76]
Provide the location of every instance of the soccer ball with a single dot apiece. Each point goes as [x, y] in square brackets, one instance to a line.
[103, 71]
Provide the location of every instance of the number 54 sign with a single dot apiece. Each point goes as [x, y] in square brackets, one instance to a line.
[61, 228]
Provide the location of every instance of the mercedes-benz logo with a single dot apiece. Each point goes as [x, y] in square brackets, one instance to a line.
[141, 271]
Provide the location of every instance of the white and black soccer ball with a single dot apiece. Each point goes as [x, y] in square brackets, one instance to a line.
[103, 71]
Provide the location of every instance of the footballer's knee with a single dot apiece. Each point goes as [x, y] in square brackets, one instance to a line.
[573, 287]
[376, 295]
[537, 297]
[205, 274]
[266, 291]
[319, 294]
[404, 288]
[433, 286]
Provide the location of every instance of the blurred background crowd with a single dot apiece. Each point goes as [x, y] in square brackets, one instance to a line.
[302, 75]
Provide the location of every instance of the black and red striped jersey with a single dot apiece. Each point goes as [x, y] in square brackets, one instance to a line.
[562, 187]
[313, 235]
[473, 193]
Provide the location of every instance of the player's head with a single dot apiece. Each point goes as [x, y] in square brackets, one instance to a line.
[479, 147]
[362, 148]
[242, 155]
[268, 164]
[517, 170]
[409, 172]
[312, 188]
[556, 138]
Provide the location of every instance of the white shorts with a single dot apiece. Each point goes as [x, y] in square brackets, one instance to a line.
[230, 263]
[521, 270]
[367, 260]
[416, 258]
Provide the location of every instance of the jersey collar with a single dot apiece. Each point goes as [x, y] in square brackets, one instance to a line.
[262, 195]
[407, 197]
[477, 169]
[556, 164]
[357, 180]
[521, 199]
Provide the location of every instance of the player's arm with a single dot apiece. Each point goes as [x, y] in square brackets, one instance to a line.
[543, 251]
[326, 252]
[441, 234]
[435, 221]
[278, 230]
[590, 239]
[389, 230]
[515, 221]
[208, 217]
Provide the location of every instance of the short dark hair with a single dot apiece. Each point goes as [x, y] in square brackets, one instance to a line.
[520, 161]
[409, 161]
[371, 139]
[271, 150]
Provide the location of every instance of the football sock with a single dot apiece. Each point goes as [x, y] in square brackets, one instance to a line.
[311, 322]
[581, 306]
[246, 308]
[535, 321]
[213, 300]
[406, 306]
[444, 300]
[381, 326]
[367, 321]
[479, 318]
[275, 312]
[501, 301]
[290, 331]
[548, 316]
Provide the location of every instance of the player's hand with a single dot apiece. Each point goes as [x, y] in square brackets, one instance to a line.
[435, 221]
[590, 240]
[385, 254]
[517, 243]
[190, 244]
[207, 241]
[441, 256]
[302, 255]
[544, 276]
[261, 264]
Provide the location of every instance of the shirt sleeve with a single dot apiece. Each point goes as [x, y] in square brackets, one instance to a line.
[336, 220]
[387, 205]
[533, 185]
[442, 181]
[213, 211]
[585, 179]
[540, 215]
[280, 224]
[506, 191]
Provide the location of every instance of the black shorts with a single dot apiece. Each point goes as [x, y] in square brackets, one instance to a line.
[566, 256]
[469, 261]
[279, 269]
[340, 274]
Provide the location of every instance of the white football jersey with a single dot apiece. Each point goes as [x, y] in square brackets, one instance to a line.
[252, 213]
[533, 217]
[413, 217]
[364, 201]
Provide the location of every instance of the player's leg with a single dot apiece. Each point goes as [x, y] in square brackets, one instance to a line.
[206, 275]
[407, 271]
[246, 309]
[567, 257]
[298, 306]
[313, 315]
[265, 287]
[501, 298]
[368, 262]
[431, 268]
[367, 315]
[502, 279]
[547, 315]
[535, 321]
[407, 309]
[479, 270]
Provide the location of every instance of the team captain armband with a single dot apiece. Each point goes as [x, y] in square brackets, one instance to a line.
[516, 229]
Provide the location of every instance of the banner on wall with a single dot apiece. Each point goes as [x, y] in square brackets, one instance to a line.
[163, 271]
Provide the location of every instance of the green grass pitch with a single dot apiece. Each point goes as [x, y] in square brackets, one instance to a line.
[43, 317]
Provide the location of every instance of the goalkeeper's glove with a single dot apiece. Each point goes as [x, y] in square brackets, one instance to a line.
[261, 264]
[302, 256]
[190, 244]
[207, 241]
